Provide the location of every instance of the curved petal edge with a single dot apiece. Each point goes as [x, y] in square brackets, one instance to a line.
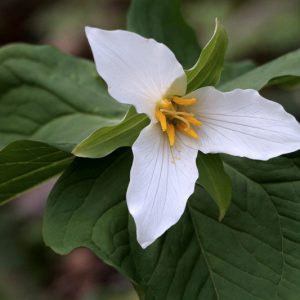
[243, 123]
[137, 70]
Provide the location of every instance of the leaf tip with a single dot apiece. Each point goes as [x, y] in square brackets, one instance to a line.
[222, 215]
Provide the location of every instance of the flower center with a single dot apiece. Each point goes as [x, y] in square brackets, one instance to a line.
[171, 115]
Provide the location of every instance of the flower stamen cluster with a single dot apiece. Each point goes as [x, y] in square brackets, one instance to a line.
[171, 115]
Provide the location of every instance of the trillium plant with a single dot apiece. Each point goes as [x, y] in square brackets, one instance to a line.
[173, 166]
[147, 75]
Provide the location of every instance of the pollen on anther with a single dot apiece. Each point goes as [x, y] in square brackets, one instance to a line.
[162, 119]
[171, 133]
[172, 116]
[192, 133]
[193, 121]
[184, 101]
[187, 131]
[166, 104]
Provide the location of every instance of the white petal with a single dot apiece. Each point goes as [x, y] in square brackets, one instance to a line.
[243, 123]
[137, 71]
[161, 180]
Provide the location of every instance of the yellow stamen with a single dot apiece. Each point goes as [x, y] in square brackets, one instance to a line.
[187, 130]
[181, 127]
[171, 133]
[166, 104]
[192, 133]
[171, 115]
[183, 120]
[184, 101]
[174, 112]
[162, 119]
[182, 116]
[193, 121]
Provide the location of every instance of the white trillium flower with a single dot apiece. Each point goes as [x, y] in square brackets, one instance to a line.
[146, 74]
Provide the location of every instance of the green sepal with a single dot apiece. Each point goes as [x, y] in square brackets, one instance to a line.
[208, 68]
[215, 180]
[105, 140]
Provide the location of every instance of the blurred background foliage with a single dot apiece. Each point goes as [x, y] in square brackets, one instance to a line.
[260, 30]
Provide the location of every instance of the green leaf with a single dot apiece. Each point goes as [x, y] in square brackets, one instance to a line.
[25, 164]
[51, 97]
[208, 68]
[91, 176]
[279, 69]
[233, 70]
[163, 21]
[215, 180]
[285, 81]
[105, 140]
[253, 254]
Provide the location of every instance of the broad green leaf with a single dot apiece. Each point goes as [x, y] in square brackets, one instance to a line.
[208, 68]
[279, 69]
[253, 254]
[105, 140]
[51, 97]
[215, 180]
[25, 164]
[163, 21]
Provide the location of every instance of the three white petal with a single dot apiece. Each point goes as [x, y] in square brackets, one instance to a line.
[140, 72]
